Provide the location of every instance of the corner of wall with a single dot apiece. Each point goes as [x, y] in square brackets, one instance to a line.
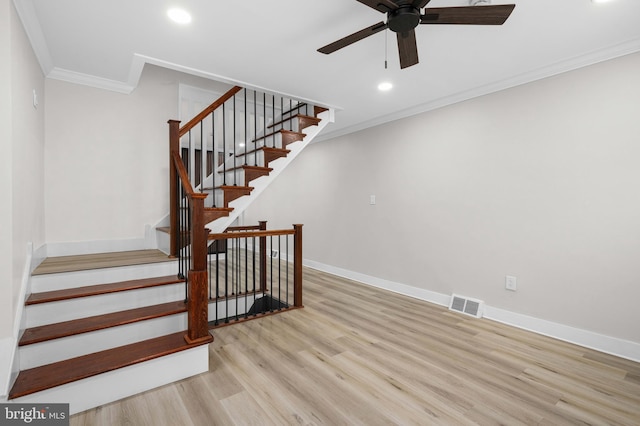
[7, 346]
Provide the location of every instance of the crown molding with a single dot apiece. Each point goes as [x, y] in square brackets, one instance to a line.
[90, 80]
[571, 64]
[31, 25]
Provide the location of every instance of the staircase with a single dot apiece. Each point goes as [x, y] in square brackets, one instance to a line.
[102, 327]
[264, 135]
[116, 324]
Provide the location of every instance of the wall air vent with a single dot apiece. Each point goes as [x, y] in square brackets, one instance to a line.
[466, 305]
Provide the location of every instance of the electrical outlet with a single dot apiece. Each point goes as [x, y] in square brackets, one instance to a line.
[372, 199]
[510, 283]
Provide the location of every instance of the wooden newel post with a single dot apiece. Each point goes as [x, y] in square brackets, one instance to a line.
[198, 303]
[297, 266]
[174, 146]
[263, 257]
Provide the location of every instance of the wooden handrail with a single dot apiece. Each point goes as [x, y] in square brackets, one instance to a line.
[182, 172]
[208, 110]
[247, 234]
[242, 228]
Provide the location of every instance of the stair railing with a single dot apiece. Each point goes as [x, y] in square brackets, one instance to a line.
[230, 134]
[258, 272]
[225, 137]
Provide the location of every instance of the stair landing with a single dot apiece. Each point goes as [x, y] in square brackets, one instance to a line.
[85, 262]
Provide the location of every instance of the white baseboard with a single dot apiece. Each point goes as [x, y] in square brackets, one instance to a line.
[9, 357]
[7, 346]
[589, 339]
[407, 290]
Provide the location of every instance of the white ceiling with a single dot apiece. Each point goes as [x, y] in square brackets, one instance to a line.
[272, 45]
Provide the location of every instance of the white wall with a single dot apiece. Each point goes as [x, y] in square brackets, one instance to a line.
[6, 223]
[22, 215]
[107, 156]
[28, 150]
[540, 181]
[21, 170]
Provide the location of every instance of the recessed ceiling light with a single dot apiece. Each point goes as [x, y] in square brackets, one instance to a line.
[180, 16]
[385, 86]
[601, 1]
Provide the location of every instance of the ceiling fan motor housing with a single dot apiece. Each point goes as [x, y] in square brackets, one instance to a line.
[403, 19]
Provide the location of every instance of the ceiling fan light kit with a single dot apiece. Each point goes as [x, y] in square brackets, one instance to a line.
[403, 16]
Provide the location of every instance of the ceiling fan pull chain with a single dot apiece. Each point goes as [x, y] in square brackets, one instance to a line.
[386, 44]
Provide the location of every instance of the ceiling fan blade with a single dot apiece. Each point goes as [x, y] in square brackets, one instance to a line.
[408, 49]
[468, 15]
[420, 3]
[383, 6]
[350, 39]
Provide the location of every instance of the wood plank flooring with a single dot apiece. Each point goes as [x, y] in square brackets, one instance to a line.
[357, 355]
[53, 265]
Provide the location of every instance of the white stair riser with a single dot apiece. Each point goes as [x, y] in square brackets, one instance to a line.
[66, 310]
[82, 344]
[163, 239]
[114, 385]
[51, 282]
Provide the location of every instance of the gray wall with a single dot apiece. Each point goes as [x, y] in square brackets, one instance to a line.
[540, 181]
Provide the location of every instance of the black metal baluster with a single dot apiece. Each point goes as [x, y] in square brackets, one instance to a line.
[236, 269]
[281, 112]
[287, 270]
[279, 272]
[273, 120]
[271, 273]
[255, 129]
[217, 280]
[203, 157]
[246, 278]
[224, 144]
[214, 158]
[235, 119]
[253, 250]
[246, 132]
[226, 281]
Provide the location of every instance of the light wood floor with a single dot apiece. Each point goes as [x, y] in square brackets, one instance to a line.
[53, 265]
[356, 355]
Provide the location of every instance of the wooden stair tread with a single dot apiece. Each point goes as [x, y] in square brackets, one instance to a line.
[283, 131]
[99, 322]
[84, 262]
[247, 167]
[94, 290]
[293, 117]
[283, 151]
[51, 375]
[234, 188]
[319, 110]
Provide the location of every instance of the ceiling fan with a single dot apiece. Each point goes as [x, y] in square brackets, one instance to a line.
[403, 16]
